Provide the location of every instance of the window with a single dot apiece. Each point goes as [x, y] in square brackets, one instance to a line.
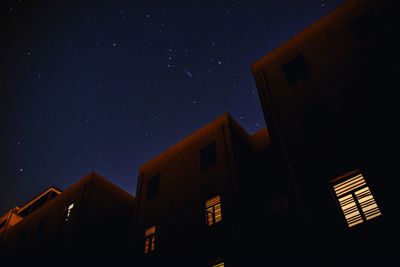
[295, 69]
[355, 198]
[68, 214]
[218, 263]
[150, 238]
[152, 187]
[208, 155]
[213, 210]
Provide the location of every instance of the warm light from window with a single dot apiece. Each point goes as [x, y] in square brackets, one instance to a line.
[221, 264]
[213, 210]
[69, 212]
[150, 235]
[355, 199]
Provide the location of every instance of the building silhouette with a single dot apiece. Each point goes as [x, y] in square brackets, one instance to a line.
[317, 188]
[195, 200]
[89, 222]
[328, 96]
[17, 214]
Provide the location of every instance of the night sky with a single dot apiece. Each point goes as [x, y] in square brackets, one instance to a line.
[108, 85]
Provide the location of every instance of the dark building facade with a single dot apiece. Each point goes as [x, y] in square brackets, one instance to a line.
[89, 222]
[17, 214]
[317, 188]
[329, 100]
[198, 201]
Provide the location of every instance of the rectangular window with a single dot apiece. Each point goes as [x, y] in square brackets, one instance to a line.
[213, 210]
[153, 186]
[150, 238]
[355, 198]
[295, 69]
[68, 214]
[208, 155]
[218, 263]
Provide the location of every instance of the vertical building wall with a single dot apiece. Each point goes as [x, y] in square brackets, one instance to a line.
[89, 222]
[328, 103]
[178, 209]
[183, 235]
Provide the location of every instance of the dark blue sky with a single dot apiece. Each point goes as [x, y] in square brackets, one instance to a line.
[108, 85]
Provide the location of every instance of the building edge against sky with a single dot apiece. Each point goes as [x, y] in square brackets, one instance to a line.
[90, 220]
[329, 100]
[318, 184]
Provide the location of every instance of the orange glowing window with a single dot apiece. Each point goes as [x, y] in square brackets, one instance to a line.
[150, 238]
[69, 209]
[213, 210]
[219, 264]
[355, 198]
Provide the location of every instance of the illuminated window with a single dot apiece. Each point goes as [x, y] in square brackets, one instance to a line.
[213, 210]
[355, 199]
[218, 264]
[150, 236]
[69, 212]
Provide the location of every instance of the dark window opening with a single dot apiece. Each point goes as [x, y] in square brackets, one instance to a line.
[208, 155]
[295, 69]
[153, 187]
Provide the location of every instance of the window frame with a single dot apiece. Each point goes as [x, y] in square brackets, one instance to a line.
[149, 240]
[206, 160]
[354, 199]
[69, 210]
[153, 186]
[213, 208]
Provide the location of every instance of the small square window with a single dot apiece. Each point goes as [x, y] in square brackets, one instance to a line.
[355, 198]
[295, 69]
[213, 210]
[208, 155]
[153, 186]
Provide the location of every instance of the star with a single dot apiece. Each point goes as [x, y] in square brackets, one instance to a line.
[188, 73]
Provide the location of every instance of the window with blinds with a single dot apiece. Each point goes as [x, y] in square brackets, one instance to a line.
[150, 238]
[213, 210]
[355, 198]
